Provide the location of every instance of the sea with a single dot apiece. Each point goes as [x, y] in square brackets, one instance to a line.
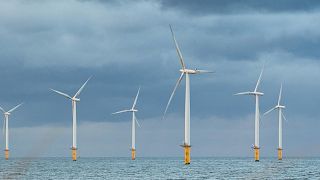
[159, 168]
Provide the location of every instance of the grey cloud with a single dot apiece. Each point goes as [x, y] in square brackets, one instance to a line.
[239, 6]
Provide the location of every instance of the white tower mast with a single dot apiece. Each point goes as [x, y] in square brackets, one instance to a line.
[74, 101]
[187, 72]
[256, 94]
[280, 116]
[133, 127]
[6, 128]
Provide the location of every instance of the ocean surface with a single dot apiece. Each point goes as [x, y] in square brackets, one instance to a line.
[159, 168]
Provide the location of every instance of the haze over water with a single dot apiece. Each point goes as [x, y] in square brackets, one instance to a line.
[160, 168]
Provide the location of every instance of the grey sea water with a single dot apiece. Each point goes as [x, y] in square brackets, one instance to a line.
[159, 168]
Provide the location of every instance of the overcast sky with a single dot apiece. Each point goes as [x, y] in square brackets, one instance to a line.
[124, 44]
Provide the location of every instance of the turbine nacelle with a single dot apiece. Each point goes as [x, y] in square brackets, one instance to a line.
[6, 113]
[250, 93]
[189, 71]
[258, 93]
[75, 99]
[280, 106]
[194, 71]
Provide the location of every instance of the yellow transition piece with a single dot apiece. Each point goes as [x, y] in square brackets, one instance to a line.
[256, 153]
[133, 154]
[279, 154]
[74, 154]
[187, 154]
[6, 152]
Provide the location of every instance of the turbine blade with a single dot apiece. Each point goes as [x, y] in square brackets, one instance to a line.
[269, 111]
[11, 110]
[172, 94]
[135, 100]
[61, 93]
[177, 48]
[135, 118]
[81, 88]
[284, 117]
[258, 82]
[242, 93]
[280, 94]
[204, 71]
[118, 112]
[2, 109]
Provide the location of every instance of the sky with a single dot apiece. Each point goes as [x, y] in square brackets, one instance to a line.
[126, 44]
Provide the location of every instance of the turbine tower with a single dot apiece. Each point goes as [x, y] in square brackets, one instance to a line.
[184, 72]
[74, 101]
[257, 94]
[6, 128]
[280, 116]
[134, 121]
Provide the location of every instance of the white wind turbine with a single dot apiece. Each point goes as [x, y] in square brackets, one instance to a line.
[280, 116]
[255, 93]
[6, 128]
[74, 101]
[184, 72]
[134, 121]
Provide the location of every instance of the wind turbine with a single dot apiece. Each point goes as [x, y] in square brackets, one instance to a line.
[280, 116]
[184, 72]
[6, 127]
[257, 94]
[74, 101]
[134, 121]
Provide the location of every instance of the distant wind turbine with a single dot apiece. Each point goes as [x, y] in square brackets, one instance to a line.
[280, 116]
[6, 128]
[255, 93]
[74, 100]
[184, 72]
[134, 121]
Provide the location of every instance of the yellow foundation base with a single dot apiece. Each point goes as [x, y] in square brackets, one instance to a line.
[133, 154]
[74, 154]
[256, 153]
[6, 153]
[279, 154]
[187, 154]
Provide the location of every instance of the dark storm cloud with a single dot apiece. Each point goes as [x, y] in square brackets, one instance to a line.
[240, 6]
[123, 49]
